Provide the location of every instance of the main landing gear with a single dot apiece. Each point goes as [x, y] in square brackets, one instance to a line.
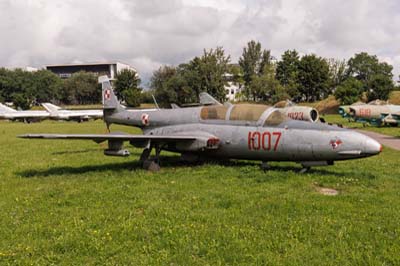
[151, 164]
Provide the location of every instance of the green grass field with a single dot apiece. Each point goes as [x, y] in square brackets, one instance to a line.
[65, 203]
[387, 130]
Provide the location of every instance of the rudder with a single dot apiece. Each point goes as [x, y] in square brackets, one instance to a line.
[110, 101]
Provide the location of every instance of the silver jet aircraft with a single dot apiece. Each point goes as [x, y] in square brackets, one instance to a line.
[243, 131]
[26, 116]
[57, 113]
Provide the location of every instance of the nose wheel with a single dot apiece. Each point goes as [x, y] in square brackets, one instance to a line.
[264, 166]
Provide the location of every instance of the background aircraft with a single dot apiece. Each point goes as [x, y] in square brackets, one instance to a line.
[373, 114]
[244, 131]
[26, 116]
[58, 113]
[297, 112]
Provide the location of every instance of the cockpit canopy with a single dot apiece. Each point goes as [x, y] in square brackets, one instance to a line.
[243, 112]
[275, 118]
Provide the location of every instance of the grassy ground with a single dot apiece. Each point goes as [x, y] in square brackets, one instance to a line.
[387, 130]
[64, 203]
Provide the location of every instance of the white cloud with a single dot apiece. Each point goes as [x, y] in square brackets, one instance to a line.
[149, 33]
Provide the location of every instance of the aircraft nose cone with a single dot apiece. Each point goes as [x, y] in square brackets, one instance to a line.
[372, 147]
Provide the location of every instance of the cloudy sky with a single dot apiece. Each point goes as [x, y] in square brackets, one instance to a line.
[150, 33]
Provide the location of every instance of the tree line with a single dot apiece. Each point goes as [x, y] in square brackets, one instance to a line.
[264, 79]
[261, 77]
[26, 89]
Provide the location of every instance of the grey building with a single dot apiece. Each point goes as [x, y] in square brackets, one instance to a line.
[103, 68]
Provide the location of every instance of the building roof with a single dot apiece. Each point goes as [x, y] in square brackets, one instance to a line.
[88, 64]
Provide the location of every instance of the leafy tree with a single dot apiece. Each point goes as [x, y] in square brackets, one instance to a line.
[349, 91]
[287, 70]
[362, 66]
[211, 68]
[313, 77]
[165, 92]
[17, 85]
[371, 73]
[250, 61]
[46, 86]
[266, 87]
[171, 86]
[147, 96]
[81, 88]
[127, 87]
[183, 84]
[379, 87]
[337, 72]
[20, 101]
[253, 62]
[237, 74]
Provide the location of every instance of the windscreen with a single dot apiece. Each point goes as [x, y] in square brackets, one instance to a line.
[275, 118]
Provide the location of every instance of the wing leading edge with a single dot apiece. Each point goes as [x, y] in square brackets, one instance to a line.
[112, 136]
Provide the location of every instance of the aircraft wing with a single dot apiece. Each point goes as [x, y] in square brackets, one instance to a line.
[79, 114]
[191, 140]
[104, 137]
[25, 115]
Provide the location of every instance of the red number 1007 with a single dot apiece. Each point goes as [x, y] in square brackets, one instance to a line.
[263, 140]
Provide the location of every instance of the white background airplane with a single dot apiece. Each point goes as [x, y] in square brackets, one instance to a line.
[25, 116]
[58, 113]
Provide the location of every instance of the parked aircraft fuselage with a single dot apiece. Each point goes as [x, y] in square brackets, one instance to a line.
[289, 140]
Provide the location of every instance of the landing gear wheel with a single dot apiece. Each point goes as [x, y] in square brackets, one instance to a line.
[151, 165]
[265, 167]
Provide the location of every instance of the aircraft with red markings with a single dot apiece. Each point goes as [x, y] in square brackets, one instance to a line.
[239, 131]
[374, 113]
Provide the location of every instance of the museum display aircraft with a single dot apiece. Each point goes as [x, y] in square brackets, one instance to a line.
[297, 112]
[243, 131]
[372, 113]
[57, 113]
[26, 116]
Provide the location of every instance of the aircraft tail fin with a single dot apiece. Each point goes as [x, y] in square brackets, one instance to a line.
[110, 101]
[5, 108]
[207, 99]
[174, 106]
[51, 108]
